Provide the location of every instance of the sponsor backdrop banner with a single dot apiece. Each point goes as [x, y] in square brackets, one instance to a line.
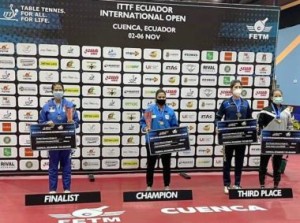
[112, 57]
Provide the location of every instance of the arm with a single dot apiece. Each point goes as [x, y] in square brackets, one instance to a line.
[76, 118]
[220, 113]
[43, 116]
[173, 120]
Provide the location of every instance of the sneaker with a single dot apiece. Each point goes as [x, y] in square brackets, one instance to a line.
[237, 187]
[226, 189]
[167, 188]
[149, 189]
[52, 192]
[67, 191]
[262, 186]
[276, 184]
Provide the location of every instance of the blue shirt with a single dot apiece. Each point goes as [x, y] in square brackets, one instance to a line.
[57, 113]
[229, 109]
[161, 119]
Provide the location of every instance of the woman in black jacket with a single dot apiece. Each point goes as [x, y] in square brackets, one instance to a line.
[274, 117]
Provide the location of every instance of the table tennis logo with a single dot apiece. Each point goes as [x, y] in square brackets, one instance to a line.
[90, 215]
[10, 14]
[259, 30]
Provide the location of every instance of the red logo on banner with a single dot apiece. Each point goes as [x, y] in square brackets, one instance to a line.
[228, 56]
[260, 104]
[6, 127]
[28, 151]
[245, 81]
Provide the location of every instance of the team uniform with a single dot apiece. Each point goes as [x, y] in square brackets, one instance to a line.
[57, 113]
[233, 109]
[161, 119]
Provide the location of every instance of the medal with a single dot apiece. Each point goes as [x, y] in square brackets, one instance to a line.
[277, 112]
[59, 117]
[161, 123]
[238, 115]
[238, 108]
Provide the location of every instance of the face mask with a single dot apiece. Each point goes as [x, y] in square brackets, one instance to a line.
[237, 92]
[161, 101]
[58, 94]
[277, 100]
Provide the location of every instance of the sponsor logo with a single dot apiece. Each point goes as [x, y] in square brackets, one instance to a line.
[111, 78]
[6, 165]
[228, 56]
[48, 50]
[132, 66]
[207, 68]
[151, 79]
[261, 93]
[191, 55]
[132, 53]
[48, 63]
[207, 80]
[7, 101]
[110, 163]
[88, 164]
[245, 69]
[190, 80]
[263, 69]
[259, 31]
[89, 215]
[209, 56]
[171, 67]
[246, 57]
[27, 62]
[190, 68]
[7, 48]
[152, 67]
[262, 57]
[130, 163]
[152, 54]
[70, 50]
[91, 51]
[171, 54]
[111, 140]
[7, 75]
[91, 65]
[112, 52]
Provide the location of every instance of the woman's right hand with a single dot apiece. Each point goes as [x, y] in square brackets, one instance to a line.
[50, 123]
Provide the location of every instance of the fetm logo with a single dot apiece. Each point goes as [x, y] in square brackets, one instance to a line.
[259, 30]
[94, 215]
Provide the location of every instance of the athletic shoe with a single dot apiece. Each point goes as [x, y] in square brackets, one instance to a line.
[167, 188]
[67, 191]
[52, 192]
[149, 189]
[236, 187]
[226, 189]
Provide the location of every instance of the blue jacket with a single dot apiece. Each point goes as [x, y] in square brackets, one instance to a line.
[228, 109]
[160, 119]
[50, 111]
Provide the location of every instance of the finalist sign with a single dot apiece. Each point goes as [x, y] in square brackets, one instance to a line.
[280, 142]
[237, 132]
[168, 140]
[59, 137]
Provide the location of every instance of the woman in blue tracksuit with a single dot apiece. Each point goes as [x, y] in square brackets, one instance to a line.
[54, 112]
[163, 117]
[233, 108]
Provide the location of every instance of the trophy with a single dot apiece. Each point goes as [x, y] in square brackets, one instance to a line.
[70, 114]
[148, 118]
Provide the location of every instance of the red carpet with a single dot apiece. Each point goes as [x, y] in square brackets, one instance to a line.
[209, 203]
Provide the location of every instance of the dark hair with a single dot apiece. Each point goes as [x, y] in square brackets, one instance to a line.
[57, 83]
[274, 90]
[234, 82]
[159, 91]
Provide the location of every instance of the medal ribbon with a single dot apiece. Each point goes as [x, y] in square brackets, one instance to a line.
[277, 112]
[238, 105]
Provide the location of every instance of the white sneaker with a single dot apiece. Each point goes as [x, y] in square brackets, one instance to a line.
[237, 187]
[226, 189]
[67, 191]
[52, 192]
[149, 189]
[167, 188]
